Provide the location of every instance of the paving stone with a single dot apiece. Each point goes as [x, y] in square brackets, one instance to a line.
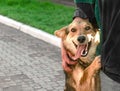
[28, 63]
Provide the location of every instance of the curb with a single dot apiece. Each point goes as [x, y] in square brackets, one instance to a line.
[37, 33]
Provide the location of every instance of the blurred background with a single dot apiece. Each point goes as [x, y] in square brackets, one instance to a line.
[48, 15]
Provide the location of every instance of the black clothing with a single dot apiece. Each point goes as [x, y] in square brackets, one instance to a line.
[110, 22]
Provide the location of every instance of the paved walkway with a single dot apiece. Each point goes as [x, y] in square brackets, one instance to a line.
[28, 63]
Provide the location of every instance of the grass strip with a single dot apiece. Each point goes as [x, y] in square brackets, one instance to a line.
[42, 14]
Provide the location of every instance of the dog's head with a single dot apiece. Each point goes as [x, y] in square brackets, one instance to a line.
[80, 40]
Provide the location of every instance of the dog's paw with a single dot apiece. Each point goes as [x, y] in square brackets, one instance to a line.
[97, 63]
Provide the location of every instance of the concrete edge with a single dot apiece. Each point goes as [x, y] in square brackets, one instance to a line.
[37, 33]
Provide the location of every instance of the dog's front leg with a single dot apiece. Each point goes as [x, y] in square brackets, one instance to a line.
[90, 74]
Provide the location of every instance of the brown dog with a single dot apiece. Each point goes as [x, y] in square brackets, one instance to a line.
[79, 42]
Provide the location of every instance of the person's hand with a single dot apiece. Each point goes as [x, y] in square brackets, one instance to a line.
[78, 19]
[66, 62]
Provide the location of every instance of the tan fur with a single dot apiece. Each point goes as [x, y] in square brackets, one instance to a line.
[81, 78]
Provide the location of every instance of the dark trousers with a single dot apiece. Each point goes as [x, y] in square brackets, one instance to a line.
[110, 54]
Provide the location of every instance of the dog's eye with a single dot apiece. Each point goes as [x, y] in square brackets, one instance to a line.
[87, 28]
[73, 30]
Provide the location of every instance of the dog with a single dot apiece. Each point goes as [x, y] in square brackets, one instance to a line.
[80, 40]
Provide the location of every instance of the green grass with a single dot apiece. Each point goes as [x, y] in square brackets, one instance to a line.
[42, 14]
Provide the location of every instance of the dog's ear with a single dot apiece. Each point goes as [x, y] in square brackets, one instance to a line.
[62, 32]
[97, 37]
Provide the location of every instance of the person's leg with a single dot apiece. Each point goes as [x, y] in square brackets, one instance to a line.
[108, 84]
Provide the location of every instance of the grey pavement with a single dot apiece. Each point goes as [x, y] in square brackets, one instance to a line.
[28, 63]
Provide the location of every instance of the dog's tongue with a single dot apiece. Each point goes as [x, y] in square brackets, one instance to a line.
[80, 49]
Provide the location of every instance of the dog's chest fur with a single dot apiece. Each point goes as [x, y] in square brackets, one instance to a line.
[73, 80]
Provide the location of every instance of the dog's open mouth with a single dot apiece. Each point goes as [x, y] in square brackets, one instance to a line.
[82, 50]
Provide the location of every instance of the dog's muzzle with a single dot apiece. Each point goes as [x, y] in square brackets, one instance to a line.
[81, 39]
[82, 47]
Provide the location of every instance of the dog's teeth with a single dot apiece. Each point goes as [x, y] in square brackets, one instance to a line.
[84, 53]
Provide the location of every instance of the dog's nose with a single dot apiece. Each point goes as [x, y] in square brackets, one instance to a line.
[81, 39]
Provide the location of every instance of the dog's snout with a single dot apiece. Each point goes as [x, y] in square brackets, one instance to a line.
[81, 39]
